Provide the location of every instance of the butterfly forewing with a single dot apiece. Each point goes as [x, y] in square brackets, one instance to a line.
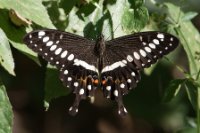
[59, 47]
[139, 50]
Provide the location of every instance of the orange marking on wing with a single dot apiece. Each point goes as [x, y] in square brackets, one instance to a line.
[96, 81]
[103, 82]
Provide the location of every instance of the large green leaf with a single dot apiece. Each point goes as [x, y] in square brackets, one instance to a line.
[134, 20]
[188, 35]
[6, 58]
[6, 114]
[85, 21]
[31, 9]
[15, 35]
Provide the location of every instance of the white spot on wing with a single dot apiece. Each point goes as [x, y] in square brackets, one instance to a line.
[70, 57]
[151, 45]
[76, 84]
[89, 87]
[61, 36]
[45, 39]
[81, 92]
[125, 110]
[160, 35]
[143, 53]
[30, 36]
[144, 43]
[156, 41]
[69, 79]
[53, 47]
[122, 85]
[148, 49]
[116, 93]
[58, 51]
[49, 43]
[129, 58]
[133, 74]
[136, 55]
[108, 88]
[66, 72]
[129, 80]
[64, 54]
[41, 33]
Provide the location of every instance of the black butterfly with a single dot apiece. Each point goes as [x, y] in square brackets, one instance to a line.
[113, 66]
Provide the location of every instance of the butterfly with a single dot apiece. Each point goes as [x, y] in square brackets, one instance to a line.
[113, 66]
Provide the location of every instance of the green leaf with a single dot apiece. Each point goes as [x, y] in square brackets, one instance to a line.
[117, 10]
[30, 9]
[15, 35]
[189, 15]
[6, 114]
[134, 20]
[53, 86]
[173, 89]
[88, 21]
[188, 36]
[6, 58]
[191, 90]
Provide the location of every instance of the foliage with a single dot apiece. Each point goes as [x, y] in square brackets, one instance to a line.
[89, 18]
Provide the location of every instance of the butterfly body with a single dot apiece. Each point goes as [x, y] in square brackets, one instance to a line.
[113, 66]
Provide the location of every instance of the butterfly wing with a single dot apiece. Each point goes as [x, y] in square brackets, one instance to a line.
[72, 54]
[126, 56]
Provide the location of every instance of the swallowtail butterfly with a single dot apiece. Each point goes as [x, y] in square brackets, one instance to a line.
[113, 66]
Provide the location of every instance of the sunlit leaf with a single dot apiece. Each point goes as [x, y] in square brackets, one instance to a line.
[6, 58]
[30, 9]
[6, 114]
